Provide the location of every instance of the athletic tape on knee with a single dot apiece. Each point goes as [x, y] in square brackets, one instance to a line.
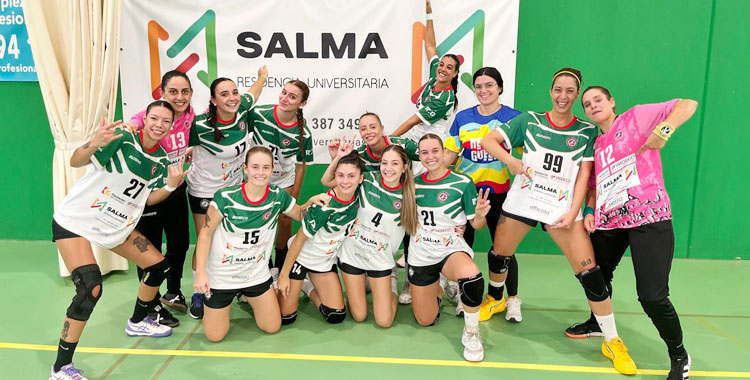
[288, 319]
[86, 279]
[155, 274]
[472, 290]
[332, 315]
[498, 263]
[593, 284]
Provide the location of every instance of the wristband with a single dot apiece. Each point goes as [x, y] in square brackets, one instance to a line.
[664, 130]
[169, 188]
[429, 16]
[588, 211]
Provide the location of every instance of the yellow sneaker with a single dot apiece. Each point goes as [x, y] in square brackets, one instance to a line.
[490, 306]
[616, 351]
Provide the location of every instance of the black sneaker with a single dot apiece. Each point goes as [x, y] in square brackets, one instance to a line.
[163, 317]
[586, 329]
[175, 301]
[680, 369]
[196, 306]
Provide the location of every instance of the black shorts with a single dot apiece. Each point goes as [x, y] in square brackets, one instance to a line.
[527, 221]
[199, 205]
[427, 275]
[59, 233]
[350, 269]
[221, 298]
[299, 271]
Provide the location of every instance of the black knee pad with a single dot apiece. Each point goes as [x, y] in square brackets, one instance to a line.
[497, 263]
[332, 315]
[593, 284]
[288, 319]
[155, 274]
[472, 290]
[86, 279]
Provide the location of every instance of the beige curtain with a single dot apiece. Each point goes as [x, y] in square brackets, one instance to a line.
[76, 48]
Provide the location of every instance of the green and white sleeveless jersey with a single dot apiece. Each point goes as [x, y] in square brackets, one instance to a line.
[242, 245]
[442, 205]
[217, 165]
[372, 162]
[552, 156]
[105, 205]
[377, 232]
[283, 141]
[434, 107]
[325, 228]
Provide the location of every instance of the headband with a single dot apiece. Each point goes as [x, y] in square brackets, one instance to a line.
[569, 73]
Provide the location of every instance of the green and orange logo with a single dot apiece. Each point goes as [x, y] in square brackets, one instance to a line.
[98, 204]
[562, 195]
[157, 33]
[475, 23]
[131, 222]
[227, 259]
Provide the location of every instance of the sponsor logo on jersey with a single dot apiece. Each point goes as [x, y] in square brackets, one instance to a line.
[529, 171]
[571, 142]
[106, 191]
[562, 195]
[448, 241]
[267, 215]
[260, 257]
[526, 183]
[227, 259]
[628, 173]
[353, 234]
[382, 246]
[205, 203]
[224, 165]
[397, 205]
[98, 204]
[618, 135]
[370, 241]
[373, 194]
[442, 196]
[286, 142]
[131, 222]
[116, 213]
[239, 217]
[242, 125]
[543, 136]
[548, 189]
[153, 170]
[537, 209]
[227, 176]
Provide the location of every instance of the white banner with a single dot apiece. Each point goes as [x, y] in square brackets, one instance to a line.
[355, 55]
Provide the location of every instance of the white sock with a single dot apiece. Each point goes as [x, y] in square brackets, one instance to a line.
[497, 284]
[607, 324]
[471, 319]
[443, 281]
[307, 287]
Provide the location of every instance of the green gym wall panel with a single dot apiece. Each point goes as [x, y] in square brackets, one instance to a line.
[719, 224]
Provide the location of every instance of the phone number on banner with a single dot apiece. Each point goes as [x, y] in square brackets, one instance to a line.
[333, 123]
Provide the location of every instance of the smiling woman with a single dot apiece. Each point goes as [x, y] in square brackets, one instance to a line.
[145, 177]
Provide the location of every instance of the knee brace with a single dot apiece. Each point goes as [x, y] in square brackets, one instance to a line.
[472, 290]
[332, 315]
[288, 319]
[86, 279]
[497, 263]
[155, 274]
[593, 284]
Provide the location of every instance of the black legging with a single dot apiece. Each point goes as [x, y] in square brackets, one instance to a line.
[496, 203]
[652, 251]
[171, 217]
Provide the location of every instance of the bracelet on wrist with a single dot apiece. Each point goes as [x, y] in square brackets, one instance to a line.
[169, 188]
[664, 130]
[429, 16]
[588, 211]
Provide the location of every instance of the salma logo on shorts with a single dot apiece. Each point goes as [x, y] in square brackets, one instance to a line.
[157, 33]
[475, 23]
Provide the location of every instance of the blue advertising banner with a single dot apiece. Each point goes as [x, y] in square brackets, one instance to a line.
[16, 62]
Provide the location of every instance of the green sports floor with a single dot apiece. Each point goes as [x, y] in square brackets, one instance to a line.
[711, 297]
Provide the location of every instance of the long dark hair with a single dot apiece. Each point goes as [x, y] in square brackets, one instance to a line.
[300, 116]
[212, 109]
[454, 81]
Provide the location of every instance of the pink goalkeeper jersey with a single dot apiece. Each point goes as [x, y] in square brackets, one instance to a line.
[629, 186]
[176, 143]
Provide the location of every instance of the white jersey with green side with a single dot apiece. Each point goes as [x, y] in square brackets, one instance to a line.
[442, 205]
[377, 233]
[242, 245]
[434, 107]
[105, 205]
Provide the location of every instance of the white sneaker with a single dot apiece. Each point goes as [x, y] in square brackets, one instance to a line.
[473, 349]
[459, 308]
[405, 297]
[513, 310]
[451, 291]
[147, 327]
[275, 277]
[307, 287]
[67, 372]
